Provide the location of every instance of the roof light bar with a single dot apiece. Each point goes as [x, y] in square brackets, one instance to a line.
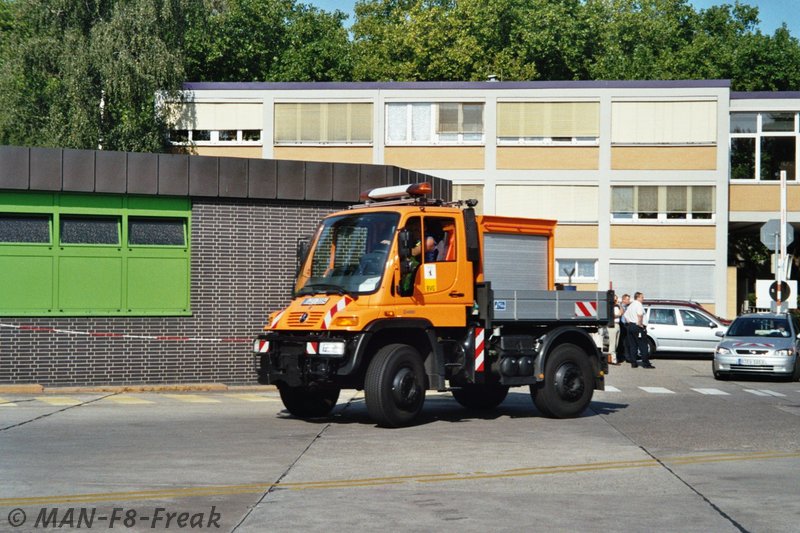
[397, 191]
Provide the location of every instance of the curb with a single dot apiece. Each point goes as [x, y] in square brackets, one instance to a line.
[173, 387]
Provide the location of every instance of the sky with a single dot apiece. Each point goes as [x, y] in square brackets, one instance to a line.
[771, 12]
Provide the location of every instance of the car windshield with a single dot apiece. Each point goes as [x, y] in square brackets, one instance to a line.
[348, 255]
[759, 327]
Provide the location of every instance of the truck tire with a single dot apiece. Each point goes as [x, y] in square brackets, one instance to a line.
[394, 387]
[567, 387]
[479, 396]
[309, 401]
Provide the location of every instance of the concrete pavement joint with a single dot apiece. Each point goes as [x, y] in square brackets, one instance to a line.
[688, 485]
[55, 412]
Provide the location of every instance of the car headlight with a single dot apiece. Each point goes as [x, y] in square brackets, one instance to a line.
[723, 351]
[786, 353]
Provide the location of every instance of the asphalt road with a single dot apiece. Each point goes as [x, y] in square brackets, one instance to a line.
[664, 450]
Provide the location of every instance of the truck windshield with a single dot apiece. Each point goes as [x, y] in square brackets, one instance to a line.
[348, 255]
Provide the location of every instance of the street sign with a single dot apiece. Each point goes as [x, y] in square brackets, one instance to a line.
[772, 228]
[764, 294]
[785, 291]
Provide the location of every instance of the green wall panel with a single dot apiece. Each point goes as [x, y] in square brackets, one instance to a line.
[95, 279]
[90, 283]
[26, 283]
[153, 279]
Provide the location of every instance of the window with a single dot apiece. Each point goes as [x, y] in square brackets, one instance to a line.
[662, 203]
[24, 229]
[662, 316]
[555, 123]
[434, 123]
[664, 122]
[213, 137]
[115, 255]
[694, 319]
[576, 270]
[323, 123]
[678, 280]
[764, 144]
[156, 232]
[89, 230]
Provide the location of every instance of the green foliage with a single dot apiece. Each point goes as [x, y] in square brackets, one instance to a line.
[569, 39]
[266, 40]
[83, 74]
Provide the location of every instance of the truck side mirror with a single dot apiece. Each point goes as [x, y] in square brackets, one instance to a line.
[404, 243]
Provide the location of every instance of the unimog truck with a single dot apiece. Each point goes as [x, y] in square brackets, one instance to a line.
[404, 294]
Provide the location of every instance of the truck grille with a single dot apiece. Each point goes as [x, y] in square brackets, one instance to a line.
[311, 321]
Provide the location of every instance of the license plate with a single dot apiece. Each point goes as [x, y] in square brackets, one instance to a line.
[752, 362]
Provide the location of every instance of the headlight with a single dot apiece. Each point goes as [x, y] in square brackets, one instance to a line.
[331, 348]
[786, 353]
[723, 351]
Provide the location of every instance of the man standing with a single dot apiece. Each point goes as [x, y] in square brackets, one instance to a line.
[637, 333]
[622, 343]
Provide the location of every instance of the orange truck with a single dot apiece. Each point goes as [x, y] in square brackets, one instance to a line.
[404, 294]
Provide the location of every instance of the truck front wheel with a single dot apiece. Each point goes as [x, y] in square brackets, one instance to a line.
[567, 387]
[475, 396]
[394, 387]
[309, 401]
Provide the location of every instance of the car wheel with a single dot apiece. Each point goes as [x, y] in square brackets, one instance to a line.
[651, 346]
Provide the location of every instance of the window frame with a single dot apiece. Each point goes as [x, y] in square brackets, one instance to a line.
[662, 215]
[324, 124]
[435, 137]
[757, 138]
[561, 277]
[214, 138]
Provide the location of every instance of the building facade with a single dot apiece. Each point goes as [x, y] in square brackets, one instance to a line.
[647, 179]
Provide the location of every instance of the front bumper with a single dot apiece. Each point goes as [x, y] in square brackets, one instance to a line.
[754, 364]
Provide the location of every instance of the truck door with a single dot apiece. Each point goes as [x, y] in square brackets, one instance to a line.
[436, 290]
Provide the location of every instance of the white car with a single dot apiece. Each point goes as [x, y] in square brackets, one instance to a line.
[760, 344]
[674, 326]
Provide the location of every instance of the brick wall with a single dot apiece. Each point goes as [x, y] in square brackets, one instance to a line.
[243, 262]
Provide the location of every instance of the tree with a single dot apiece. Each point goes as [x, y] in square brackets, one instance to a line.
[85, 73]
[266, 40]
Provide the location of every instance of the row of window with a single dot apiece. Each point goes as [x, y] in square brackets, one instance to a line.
[662, 203]
[764, 144]
[536, 123]
[98, 230]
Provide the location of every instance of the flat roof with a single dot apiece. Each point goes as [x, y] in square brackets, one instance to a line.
[485, 85]
[765, 95]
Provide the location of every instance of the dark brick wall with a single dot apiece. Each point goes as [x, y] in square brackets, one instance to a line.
[243, 260]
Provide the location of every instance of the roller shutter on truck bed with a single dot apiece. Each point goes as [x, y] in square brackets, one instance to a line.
[515, 262]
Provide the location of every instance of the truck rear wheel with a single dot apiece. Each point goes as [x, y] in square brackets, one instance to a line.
[480, 396]
[309, 401]
[567, 387]
[394, 387]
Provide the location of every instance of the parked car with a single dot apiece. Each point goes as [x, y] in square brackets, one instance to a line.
[759, 344]
[681, 326]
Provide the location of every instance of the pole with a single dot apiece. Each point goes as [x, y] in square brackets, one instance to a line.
[782, 255]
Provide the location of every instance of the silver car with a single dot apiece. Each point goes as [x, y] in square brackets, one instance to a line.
[681, 327]
[760, 344]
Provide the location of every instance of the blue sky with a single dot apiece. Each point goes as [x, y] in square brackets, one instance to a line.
[771, 12]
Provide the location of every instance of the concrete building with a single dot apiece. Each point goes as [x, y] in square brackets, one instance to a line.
[647, 179]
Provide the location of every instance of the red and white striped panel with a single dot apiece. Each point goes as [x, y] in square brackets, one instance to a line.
[754, 345]
[276, 320]
[312, 348]
[340, 305]
[586, 309]
[479, 349]
[261, 346]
